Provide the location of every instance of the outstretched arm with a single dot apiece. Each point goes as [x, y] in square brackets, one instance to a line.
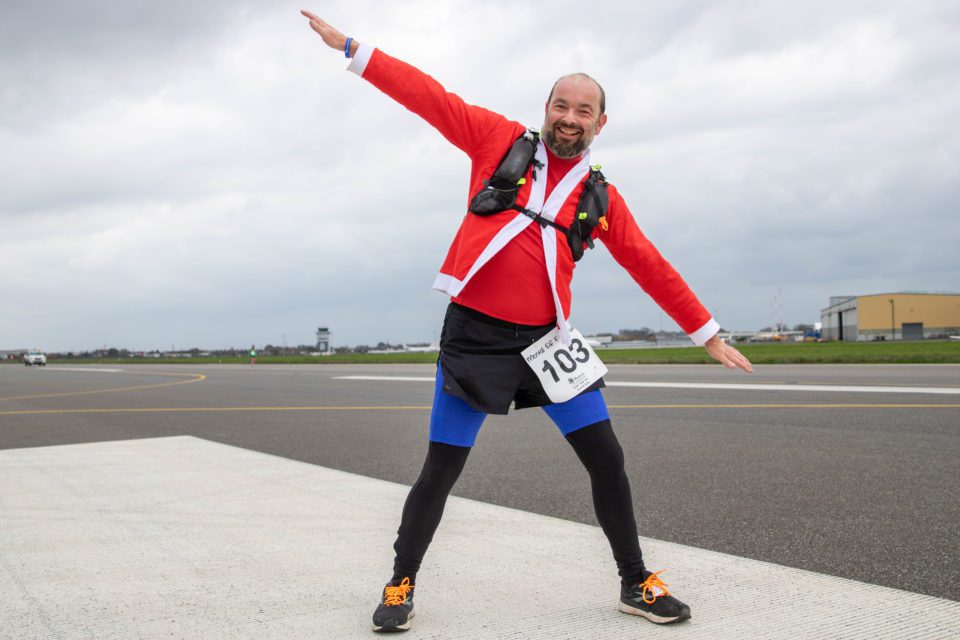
[333, 38]
[469, 127]
[635, 253]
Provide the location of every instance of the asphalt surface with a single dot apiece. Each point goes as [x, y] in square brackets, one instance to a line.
[857, 485]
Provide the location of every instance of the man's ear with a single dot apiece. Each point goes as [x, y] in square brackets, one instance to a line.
[601, 122]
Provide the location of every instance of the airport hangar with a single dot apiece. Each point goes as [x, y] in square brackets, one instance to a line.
[891, 316]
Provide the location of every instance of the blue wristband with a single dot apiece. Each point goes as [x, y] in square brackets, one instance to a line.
[346, 47]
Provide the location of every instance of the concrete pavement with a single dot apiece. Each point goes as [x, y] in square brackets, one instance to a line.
[181, 537]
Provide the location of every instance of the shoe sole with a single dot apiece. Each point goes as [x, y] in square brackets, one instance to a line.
[400, 627]
[623, 607]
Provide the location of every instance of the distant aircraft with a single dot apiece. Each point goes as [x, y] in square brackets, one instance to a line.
[422, 348]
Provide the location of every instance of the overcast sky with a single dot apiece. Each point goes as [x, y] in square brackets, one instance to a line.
[208, 174]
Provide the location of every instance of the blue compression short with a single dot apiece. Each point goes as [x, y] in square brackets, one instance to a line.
[453, 421]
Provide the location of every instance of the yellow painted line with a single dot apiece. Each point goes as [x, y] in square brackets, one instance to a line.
[208, 410]
[425, 408]
[784, 406]
[197, 377]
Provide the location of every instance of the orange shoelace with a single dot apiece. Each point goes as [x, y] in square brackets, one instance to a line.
[653, 580]
[397, 595]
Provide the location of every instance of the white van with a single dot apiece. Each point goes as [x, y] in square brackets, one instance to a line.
[35, 357]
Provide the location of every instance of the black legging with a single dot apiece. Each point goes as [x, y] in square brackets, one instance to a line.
[598, 450]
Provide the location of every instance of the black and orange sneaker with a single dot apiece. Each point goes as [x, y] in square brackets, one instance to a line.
[396, 607]
[651, 600]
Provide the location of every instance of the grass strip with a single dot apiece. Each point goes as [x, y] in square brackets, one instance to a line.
[926, 352]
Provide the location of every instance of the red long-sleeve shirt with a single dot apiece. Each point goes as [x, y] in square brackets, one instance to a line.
[513, 284]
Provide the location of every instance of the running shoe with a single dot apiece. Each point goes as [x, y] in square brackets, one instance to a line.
[651, 600]
[396, 607]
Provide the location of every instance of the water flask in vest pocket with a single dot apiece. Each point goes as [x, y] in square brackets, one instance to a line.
[493, 198]
[591, 210]
[500, 191]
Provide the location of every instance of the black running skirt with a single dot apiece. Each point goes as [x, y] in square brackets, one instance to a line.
[481, 361]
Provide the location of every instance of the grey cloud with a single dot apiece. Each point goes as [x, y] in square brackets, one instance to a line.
[208, 174]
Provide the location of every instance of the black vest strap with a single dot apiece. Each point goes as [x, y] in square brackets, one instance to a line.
[539, 219]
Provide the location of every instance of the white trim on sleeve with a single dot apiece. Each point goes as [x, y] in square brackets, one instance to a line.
[704, 333]
[358, 64]
[445, 283]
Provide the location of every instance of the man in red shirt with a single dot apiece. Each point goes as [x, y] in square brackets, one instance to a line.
[506, 336]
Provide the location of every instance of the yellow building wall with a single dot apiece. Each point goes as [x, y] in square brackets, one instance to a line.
[933, 310]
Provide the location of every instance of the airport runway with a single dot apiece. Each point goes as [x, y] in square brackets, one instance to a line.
[844, 480]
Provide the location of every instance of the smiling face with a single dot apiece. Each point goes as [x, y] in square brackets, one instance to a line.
[573, 116]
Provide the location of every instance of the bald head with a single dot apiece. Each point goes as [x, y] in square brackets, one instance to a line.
[582, 77]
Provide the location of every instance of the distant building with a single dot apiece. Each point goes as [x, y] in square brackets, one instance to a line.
[891, 316]
[323, 340]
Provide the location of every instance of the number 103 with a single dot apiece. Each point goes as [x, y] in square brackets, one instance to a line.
[567, 362]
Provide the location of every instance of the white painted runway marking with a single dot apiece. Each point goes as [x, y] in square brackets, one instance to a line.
[200, 539]
[722, 386]
[58, 368]
[786, 387]
[396, 378]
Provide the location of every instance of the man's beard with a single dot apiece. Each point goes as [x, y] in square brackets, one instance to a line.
[561, 149]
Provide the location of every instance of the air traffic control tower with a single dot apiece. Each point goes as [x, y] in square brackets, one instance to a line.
[323, 340]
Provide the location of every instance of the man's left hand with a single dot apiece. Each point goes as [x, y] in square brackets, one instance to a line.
[726, 355]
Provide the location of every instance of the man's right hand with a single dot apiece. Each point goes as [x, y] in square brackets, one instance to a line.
[333, 38]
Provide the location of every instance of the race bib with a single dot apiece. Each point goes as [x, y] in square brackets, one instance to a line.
[564, 371]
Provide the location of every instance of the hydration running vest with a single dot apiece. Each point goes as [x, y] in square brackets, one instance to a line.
[500, 194]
